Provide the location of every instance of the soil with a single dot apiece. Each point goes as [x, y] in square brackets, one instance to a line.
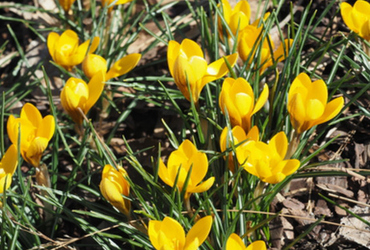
[304, 202]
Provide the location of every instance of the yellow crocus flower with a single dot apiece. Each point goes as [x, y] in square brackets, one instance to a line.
[115, 2]
[187, 65]
[169, 234]
[114, 186]
[238, 99]
[237, 136]
[357, 18]
[307, 103]
[76, 95]
[65, 49]
[35, 133]
[8, 165]
[66, 4]
[95, 63]
[237, 18]
[179, 163]
[267, 161]
[251, 37]
[234, 242]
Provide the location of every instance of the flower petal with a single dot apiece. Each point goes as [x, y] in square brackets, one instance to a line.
[5, 182]
[46, 128]
[218, 68]
[51, 42]
[234, 242]
[9, 161]
[204, 186]
[257, 245]
[35, 150]
[261, 99]
[123, 65]
[173, 51]
[199, 232]
[331, 110]
[189, 48]
[95, 86]
[279, 144]
[32, 114]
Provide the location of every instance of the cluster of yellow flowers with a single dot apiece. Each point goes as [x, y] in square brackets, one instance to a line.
[249, 36]
[77, 96]
[187, 167]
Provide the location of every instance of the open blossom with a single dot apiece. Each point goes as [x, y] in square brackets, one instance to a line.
[232, 139]
[357, 18]
[234, 242]
[308, 103]
[34, 130]
[187, 66]
[76, 95]
[114, 186]
[65, 49]
[236, 18]
[267, 161]
[95, 63]
[237, 100]
[180, 162]
[251, 39]
[8, 165]
[169, 234]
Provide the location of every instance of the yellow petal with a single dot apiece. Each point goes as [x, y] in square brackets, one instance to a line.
[283, 49]
[66, 4]
[65, 48]
[360, 14]
[154, 227]
[168, 231]
[173, 51]
[345, 10]
[234, 242]
[123, 65]
[244, 7]
[12, 128]
[51, 42]
[35, 150]
[111, 193]
[290, 166]
[261, 99]
[365, 30]
[218, 68]
[95, 88]
[9, 161]
[204, 186]
[189, 48]
[257, 245]
[238, 21]
[92, 64]
[94, 44]
[80, 53]
[199, 232]
[46, 128]
[331, 110]
[297, 111]
[226, 101]
[184, 73]
[279, 144]
[5, 182]
[318, 90]
[32, 114]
